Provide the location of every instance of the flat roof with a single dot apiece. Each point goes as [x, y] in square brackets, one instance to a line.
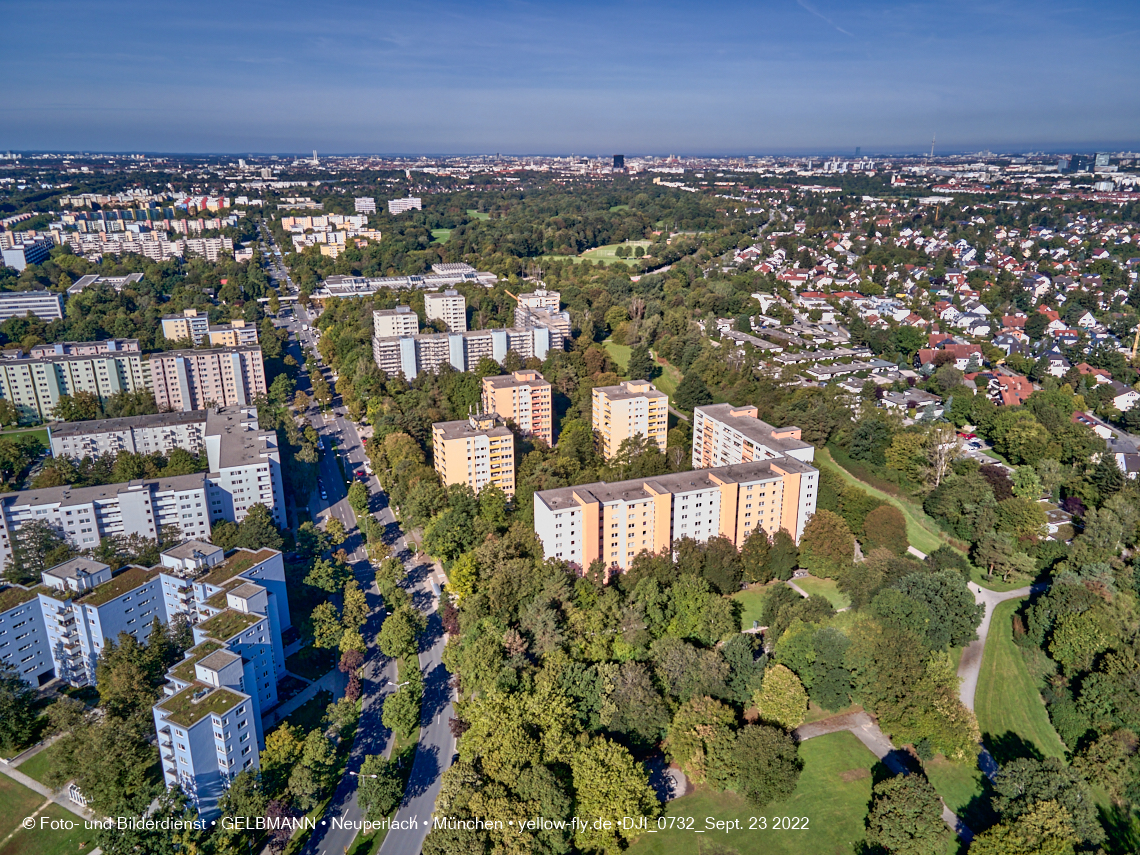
[622, 391]
[463, 429]
[637, 489]
[191, 549]
[16, 595]
[182, 710]
[755, 429]
[242, 440]
[77, 568]
[68, 429]
[500, 381]
[218, 660]
[246, 590]
[125, 581]
[225, 625]
[237, 562]
[68, 495]
[184, 670]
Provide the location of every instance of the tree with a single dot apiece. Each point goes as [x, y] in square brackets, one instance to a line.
[244, 798]
[827, 546]
[381, 787]
[401, 712]
[781, 699]
[1045, 830]
[640, 365]
[698, 724]
[36, 547]
[1025, 782]
[355, 605]
[1022, 519]
[954, 616]
[784, 557]
[282, 750]
[257, 530]
[885, 527]
[754, 556]
[610, 785]
[906, 817]
[766, 764]
[313, 773]
[327, 628]
[334, 528]
[1027, 483]
[328, 576]
[692, 392]
[17, 711]
[398, 633]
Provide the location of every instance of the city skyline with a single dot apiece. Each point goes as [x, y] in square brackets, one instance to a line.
[782, 78]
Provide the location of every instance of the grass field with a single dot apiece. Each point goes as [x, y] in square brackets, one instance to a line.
[312, 663]
[606, 254]
[978, 575]
[48, 841]
[962, 786]
[669, 377]
[440, 235]
[39, 765]
[619, 353]
[753, 602]
[1007, 702]
[833, 792]
[828, 588]
[39, 433]
[16, 802]
[475, 215]
[921, 531]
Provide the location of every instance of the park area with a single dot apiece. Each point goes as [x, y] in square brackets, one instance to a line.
[18, 802]
[607, 254]
[833, 792]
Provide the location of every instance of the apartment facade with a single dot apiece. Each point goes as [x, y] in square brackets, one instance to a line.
[197, 379]
[35, 385]
[45, 305]
[409, 203]
[244, 461]
[724, 435]
[632, 407]
[613, 523]
[195, 326]
[400, 321]
[411, 355]
[523, 397]
[20, 255]
[477, 451]
[450, 307]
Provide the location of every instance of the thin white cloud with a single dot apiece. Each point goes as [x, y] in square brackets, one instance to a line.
[809, 8]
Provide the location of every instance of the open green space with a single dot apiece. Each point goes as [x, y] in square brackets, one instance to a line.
[669, 378]
[963, 787]
[833, 793]
[16, 802]
[619, 353]
[605, 254]
[994, 583]
[921, 531]
[49, 841]
[475, 215]
[40, 766]
[752, 602]
[39, 433]
[1007, 703]
[827, 588]
[440, 235]
[312, 663]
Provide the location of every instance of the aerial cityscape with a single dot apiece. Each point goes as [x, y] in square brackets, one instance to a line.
[653, 431]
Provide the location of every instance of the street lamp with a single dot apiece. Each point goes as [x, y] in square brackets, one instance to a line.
[359, 775]
[397, 685]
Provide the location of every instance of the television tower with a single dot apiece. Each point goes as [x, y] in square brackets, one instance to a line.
[932, 139]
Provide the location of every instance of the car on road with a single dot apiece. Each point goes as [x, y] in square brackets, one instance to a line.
[321, 489]
[360, 475]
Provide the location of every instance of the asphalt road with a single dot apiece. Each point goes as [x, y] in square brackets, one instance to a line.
[436, 746]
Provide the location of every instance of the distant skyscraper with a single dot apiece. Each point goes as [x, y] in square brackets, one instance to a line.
[315, 161]
[619, 161]
[858, 150]
[1101, 159]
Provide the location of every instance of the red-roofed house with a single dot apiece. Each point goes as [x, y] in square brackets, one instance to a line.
[1009, 391]
[962, 353]
[1098, 374]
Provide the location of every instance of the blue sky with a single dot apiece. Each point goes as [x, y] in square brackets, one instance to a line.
[568, 77]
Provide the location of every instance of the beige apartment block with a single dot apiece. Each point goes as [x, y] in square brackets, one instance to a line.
[632, 407]
[34, 386]
[724, 435]
[199, 379]
[476, 451]
[398, 321]
[450, 307]
[234, 334]
[523, 397]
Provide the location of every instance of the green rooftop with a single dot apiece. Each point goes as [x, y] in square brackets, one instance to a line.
[218, 600]
[184, 712]
[14, 595]
[238, 562]
[125, 582]
[225, 625]
[184, 670]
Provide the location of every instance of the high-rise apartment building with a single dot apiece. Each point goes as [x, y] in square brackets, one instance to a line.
[524, 398]
[449, 307]
[365, 204]
[630, 408]
[413, 354]
[399, 321]
[20, 255]
[45, 305]
[724, 434]
[198, 379]
[613, 523]
[195, 326]
[409, 203]
[34, 385]
[476, 451]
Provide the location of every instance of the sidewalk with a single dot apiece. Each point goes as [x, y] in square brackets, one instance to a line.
[59, 798]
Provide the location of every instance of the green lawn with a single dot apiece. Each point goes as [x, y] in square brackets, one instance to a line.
[312, 663]
[962, 786]
[39, 765]
[753, 602]
[48, 841]
[16, 802]
[833, 792]
[38, 432]
[1007, 702]
[669, 377]
[475, 215]
[828, 588]
[605, 254]
[921, 531]
[619, 353]
[994, 583]
[440, 235]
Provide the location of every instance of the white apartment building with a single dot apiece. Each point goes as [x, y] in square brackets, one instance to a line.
[365, 204]
[724, 434]
[449, 307]
[20, 255]
[399, 206]
[410, 355]
[399, 321]
[45, 305]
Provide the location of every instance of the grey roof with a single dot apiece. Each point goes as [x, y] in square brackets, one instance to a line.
[68, 495]
[464, 428]
[191, 549]
[622, 391]
[77, 568]
[242, 441]
[127, 423]
[752, 427]
[218, 660]
[247, 590]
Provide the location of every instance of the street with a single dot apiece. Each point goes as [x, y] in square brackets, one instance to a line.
[436, 745]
